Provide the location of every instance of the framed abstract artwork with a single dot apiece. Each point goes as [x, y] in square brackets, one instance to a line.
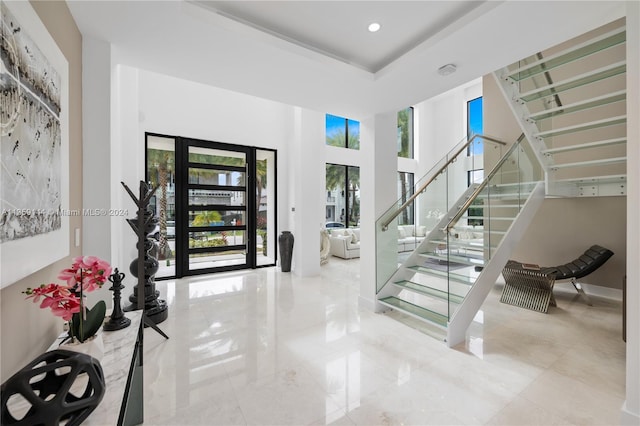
[34, 149]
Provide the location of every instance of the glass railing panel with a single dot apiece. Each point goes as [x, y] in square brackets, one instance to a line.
[395, 243]
[436, 194]
[479, 232]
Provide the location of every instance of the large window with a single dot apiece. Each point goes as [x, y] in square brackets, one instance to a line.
[405, 191]
[474, 124]
[343, 196]
[474, 127]
[342, 132]
[405, 133]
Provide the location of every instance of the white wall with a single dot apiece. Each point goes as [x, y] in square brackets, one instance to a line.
[178, 107]
[96, 133]
[307, 205]
[97, 128]
[152, 102]
[378, 177]
[631, 407]
[125, 146]
[441, 124]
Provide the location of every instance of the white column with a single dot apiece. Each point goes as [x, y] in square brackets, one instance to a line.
[127, 164]
[631, 408]
[96, 157]
[378, 177]
[307, 186]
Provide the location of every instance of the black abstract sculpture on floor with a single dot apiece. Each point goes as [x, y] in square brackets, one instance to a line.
[117, 320]
[144, 267]
[55, 387]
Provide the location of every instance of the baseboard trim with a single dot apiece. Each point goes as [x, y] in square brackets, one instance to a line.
[627, 418]
[367, 304]
[592, 290]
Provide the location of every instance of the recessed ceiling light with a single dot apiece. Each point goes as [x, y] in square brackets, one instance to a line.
[373, 27]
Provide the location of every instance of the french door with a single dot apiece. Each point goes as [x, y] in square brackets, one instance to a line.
[224, 206]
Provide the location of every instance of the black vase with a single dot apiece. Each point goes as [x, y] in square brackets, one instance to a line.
[285, 241]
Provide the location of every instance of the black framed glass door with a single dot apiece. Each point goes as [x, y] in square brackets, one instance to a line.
[211, 212]
[216, 205]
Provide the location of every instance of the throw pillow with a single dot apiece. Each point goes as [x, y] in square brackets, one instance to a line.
[354, 239]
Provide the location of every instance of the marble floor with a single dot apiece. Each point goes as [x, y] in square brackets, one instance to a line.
[270, 348]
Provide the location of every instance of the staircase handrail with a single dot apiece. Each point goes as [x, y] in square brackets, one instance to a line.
[385, 224]
[547, 76]
[484, 183]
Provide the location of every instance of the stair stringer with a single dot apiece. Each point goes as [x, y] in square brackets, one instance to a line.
[466, 312]
[529, 128]
[437, 232]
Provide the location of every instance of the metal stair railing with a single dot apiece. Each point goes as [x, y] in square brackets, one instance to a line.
[409, 202]
[435, 187]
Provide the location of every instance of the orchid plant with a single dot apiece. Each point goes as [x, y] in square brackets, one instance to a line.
[87, 273]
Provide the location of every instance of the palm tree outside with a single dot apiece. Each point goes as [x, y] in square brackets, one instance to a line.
[161, 165]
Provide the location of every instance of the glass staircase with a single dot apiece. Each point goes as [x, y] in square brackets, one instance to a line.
[570, 102]
[459, 253]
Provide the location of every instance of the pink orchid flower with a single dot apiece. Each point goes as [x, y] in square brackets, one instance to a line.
[64, 301]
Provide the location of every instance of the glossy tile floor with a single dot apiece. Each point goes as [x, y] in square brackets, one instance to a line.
[269, 348]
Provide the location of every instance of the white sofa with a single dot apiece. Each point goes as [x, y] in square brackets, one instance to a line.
[409, 237]
[345, 243]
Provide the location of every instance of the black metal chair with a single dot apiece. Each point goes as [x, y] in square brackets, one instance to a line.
[531, 286]
[588, 262]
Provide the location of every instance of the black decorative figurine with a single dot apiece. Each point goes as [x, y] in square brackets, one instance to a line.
[145, 266]
[118, 320]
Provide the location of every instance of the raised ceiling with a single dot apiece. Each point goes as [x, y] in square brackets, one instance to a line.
[338, 29]
[319, 55]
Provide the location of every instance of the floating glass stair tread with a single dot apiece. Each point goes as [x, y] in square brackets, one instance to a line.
[493, 231]
[577, 81]
[489, 217]
[611, 121]
[601, 162]
[577, 147]
[502, 196]
[587, 48]
[507, 206]
[467, 244]
[428, 291]
[443, 274]
[580, 106]
[415, 310]
[595, 180]
[456, 258]
[527, 184]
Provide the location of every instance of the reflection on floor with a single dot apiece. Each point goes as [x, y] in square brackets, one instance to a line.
[270, 348]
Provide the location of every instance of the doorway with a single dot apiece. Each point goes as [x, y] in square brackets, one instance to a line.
[215, 202]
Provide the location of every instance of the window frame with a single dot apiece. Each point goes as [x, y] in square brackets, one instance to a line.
[410, 131]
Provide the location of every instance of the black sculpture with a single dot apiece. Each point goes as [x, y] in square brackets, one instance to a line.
[117, 320]
[46, 383]
[144, 267]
